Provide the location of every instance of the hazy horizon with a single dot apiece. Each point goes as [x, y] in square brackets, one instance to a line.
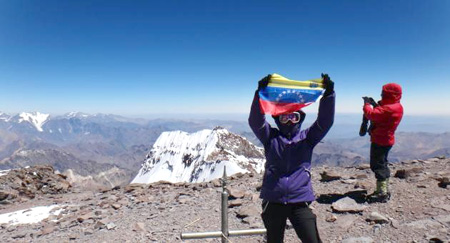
[210, 115]
[346, 125]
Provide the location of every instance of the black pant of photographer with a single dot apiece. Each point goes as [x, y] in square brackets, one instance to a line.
[379, 161]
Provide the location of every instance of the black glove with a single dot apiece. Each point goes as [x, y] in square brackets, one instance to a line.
[264, 82]
[373, 102]
[366, 99]
[327, 84]
[370, 100]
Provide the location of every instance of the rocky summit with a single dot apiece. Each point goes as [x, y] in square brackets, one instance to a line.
[419, 209]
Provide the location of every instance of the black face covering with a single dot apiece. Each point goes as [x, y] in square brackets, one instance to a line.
[290, 129]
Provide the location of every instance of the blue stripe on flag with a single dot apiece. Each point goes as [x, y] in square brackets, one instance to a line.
[286, 95]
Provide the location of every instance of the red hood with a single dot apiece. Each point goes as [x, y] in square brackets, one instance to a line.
[392, 93]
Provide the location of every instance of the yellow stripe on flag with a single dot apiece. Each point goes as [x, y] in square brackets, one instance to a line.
[277, 80]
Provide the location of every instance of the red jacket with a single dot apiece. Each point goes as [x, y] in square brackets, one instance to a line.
[387, 116]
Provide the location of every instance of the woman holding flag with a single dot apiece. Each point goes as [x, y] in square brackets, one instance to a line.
[287, 190]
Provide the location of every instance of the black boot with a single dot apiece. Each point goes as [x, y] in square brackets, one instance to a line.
[379, 197]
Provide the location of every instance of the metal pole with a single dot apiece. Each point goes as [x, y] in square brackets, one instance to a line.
[247, 232]
[217, 234]
[213, 234]
[224, 233]
[224, 206]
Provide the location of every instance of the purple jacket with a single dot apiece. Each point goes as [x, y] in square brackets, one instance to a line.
[287, 177]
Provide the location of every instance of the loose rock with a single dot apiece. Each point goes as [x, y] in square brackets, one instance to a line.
[347, 205]
[377, 218]
[330, 176]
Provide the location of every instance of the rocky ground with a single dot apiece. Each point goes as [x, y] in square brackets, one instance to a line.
[24, 184]
[419, 210]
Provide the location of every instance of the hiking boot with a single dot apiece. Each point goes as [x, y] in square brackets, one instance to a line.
[383, 186]
[381, 194]
[379, 197]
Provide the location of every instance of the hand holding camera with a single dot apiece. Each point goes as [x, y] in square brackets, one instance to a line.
[370, 100]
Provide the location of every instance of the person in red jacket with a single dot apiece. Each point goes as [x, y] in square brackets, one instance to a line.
[385, 119]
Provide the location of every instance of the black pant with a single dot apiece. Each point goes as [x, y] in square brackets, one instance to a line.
[379, 161]
[274, 216]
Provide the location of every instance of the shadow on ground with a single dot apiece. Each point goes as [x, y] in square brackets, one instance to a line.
[359, 196]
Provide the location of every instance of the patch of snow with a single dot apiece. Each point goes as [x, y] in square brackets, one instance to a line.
[4, 172]
[30, 216]
[36, 119]
[23, 153]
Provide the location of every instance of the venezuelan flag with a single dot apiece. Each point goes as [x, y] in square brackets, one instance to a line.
[282, 95]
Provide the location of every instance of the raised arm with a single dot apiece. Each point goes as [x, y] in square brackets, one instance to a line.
[256, 119]
[374, 114]
[325, 118]
[324, 121]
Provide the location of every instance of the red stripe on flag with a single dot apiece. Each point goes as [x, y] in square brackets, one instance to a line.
[276, 109]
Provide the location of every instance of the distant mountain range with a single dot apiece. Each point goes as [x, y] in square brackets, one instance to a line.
[92, 144]
[87, 144]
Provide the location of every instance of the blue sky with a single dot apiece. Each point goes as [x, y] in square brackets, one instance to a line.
[162, 57]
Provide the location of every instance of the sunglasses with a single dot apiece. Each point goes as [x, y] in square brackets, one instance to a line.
[293, 117]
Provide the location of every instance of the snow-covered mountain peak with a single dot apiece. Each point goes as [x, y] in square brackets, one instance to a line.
[4, 117]
[182, 157]
[36, 119]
